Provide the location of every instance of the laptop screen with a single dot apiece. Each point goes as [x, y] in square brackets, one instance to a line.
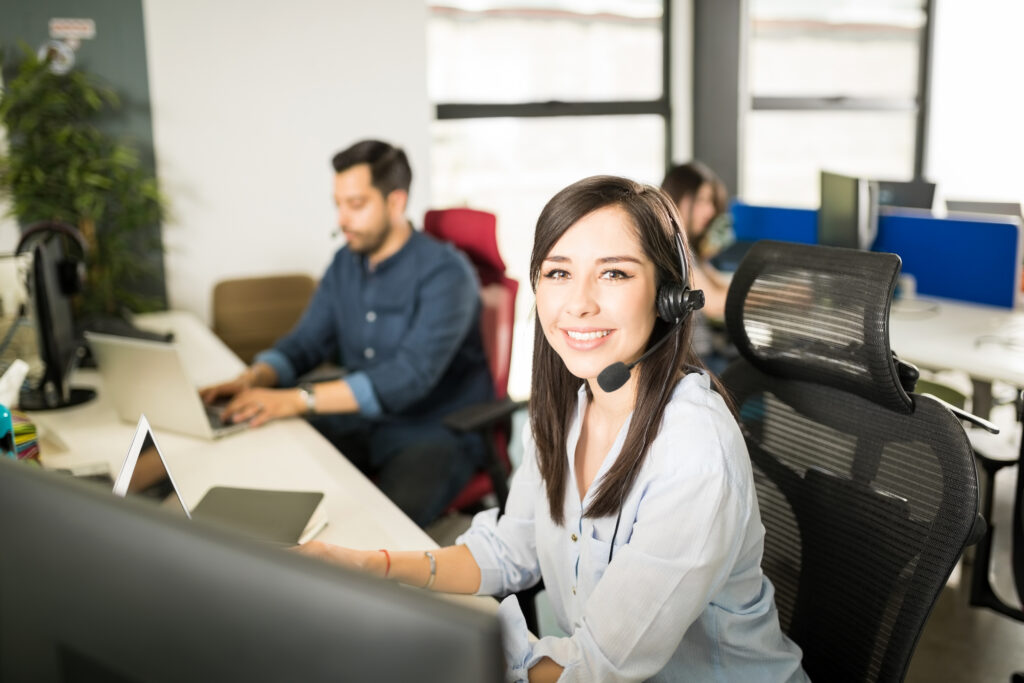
[144, 471]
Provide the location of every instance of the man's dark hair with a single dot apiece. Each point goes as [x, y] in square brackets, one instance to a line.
[389, 167]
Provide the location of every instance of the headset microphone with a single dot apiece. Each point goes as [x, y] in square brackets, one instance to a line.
[674, 303]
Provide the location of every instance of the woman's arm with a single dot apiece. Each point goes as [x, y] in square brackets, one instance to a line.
[456, 570]
[545, 671]
[715, 288]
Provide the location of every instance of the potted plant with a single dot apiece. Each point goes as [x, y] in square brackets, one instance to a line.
[61, 166]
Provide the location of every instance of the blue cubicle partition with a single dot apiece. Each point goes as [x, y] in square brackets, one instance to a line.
[751, 223]
[956, 258]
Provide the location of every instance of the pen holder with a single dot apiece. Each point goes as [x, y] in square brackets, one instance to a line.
[7, 447]
[18, 436]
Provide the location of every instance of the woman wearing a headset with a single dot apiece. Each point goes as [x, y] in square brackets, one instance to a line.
[635, 500]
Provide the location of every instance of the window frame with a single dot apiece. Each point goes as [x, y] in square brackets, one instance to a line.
[661, 106]
[715, 18]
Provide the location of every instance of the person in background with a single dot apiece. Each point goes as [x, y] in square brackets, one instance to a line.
[700, 197]
[720, 231]
[635, 503]
[400, 312]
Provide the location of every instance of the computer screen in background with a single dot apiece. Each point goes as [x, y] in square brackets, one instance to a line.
[911, 194]
[95, 587]
[59, 343]
[848, 216]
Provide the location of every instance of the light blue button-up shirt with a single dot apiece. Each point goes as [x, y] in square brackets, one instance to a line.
[684, 597]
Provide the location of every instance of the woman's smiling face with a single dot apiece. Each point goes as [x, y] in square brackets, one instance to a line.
[596, 292]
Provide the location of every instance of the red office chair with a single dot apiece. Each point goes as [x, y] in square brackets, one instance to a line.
[474, 232]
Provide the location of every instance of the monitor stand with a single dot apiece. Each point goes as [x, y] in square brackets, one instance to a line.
[47, 398]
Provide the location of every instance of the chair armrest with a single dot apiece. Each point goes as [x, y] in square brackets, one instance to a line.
[964, 415]
[482, 415]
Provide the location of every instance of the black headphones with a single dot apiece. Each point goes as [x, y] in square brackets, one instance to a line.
[675, 299]
[70, 269]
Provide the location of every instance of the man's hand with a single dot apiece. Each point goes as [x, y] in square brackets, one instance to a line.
[228, 389]
[259, 375]
[258, 406]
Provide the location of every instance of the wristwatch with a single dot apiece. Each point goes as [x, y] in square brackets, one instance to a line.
[306, 391]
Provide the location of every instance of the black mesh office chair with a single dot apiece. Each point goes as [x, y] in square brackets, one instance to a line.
[868, 493]
[983, 593]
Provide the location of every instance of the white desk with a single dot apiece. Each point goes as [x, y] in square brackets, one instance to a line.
[944, 334]
[985, 342]
[283, 454]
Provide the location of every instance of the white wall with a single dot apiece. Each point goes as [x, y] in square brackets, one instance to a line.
[250, 101]
[976, 131]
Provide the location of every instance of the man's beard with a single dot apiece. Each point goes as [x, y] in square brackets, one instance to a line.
[372, 243]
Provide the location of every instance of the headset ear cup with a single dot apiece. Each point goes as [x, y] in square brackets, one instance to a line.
[672, 299]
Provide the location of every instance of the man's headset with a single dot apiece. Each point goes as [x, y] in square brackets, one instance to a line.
[674, 301]
[71, 268]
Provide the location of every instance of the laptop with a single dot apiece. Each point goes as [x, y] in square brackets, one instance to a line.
[729, 259]
[143, 376]
[284, 518]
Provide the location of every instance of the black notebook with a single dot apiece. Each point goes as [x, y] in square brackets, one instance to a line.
[286, 517]
[278, 517]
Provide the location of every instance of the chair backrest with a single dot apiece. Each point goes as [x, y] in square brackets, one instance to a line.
[475, 233]
[250, 314]
[868, 493]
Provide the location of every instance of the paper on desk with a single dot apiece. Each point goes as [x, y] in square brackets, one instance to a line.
[10, 383]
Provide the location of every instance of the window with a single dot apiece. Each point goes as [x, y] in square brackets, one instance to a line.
[834, 86]
[532, 95]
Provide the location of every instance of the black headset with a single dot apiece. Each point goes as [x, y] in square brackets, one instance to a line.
[675, 299]
[71, 268]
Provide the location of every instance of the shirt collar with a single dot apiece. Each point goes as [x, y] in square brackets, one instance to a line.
[397, 257]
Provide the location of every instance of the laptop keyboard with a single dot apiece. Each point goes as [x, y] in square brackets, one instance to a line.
[214, 413]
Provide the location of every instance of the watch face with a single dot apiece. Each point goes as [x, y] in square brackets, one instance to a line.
[60, 55]
[307, 392]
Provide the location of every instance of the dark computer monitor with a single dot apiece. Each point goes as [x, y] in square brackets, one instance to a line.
[848, 216]
[95, 587]
[912, 194]
[59, 343]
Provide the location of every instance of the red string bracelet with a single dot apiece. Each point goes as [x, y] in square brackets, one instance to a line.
[387, 557]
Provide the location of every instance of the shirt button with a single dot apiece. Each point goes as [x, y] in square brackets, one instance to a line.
[371, 316]
[574, 590]
[574, 538]
[368, 353]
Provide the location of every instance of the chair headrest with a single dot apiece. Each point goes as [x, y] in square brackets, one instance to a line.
[818, 314]
[472, 231]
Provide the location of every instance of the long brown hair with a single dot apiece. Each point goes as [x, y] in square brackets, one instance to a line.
[685, 180]
[655, 220]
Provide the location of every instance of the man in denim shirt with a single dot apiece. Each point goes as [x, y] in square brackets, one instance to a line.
[400, 312]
